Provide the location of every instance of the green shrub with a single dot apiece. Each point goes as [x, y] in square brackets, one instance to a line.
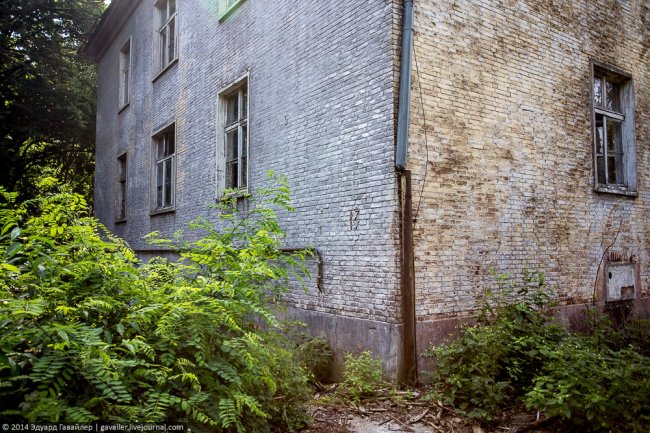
[590, 387]
[633, 334]
[517, 356]
[88, 333]
[483, 371]
[361, 376]
[313, 354]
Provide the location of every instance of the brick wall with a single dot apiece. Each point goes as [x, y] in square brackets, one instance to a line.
[504, 90]
[321, 93]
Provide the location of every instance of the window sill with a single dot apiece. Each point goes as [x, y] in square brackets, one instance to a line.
[165, 69]
[123, 107]
[162, 211]
[120, 221]
[618, 190]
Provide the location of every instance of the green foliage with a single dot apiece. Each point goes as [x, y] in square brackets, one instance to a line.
[47, 98]
[87, 332]
[361, 376]
[516, 355]
[483, 371]
[312, 353]
[594, 388]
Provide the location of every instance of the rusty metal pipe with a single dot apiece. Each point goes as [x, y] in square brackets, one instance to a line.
[408, 370]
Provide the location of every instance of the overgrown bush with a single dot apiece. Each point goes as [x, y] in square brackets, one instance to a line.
[484, 370]
[361, 376]
[517, 355]
[590, 387]
[313, 354]
[88, 333]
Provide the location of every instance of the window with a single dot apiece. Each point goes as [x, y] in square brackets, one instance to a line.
[614, 144]
[125, 74]
[234, 115]
[167, 33]
[226, 7]
[164, 174]
[121, 187]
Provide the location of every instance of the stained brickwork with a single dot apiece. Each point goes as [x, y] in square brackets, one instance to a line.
[321, 91]
[500, 144]
[503, 175]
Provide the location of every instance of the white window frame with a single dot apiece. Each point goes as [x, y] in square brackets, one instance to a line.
[167, 20]
[625, 159]
[125, 75]
[168, 202]
[227, 7]
[122, 187]
[235, 89]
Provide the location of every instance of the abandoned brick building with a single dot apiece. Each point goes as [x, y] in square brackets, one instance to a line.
[426, 142]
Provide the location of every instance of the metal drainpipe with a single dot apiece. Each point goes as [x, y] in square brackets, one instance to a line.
[404, 87]
[408, 370]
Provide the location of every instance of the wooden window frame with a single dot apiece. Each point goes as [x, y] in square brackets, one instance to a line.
[236, 90]
[166, 55]
[125, 75]
[122, 187]
[625, 159]
[167, 202]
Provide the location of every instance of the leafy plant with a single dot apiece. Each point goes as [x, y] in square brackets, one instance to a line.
[361, 376]
[312, 353]
[483, 371]
[89, 333]
[516, 355]
[590, 387]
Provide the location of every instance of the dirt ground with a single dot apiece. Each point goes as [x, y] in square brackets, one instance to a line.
[406, 412]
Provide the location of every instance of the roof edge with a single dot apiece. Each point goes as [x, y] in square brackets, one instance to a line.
[107, 28]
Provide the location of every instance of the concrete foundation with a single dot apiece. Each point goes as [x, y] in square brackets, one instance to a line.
[435, 332]
[349, 334]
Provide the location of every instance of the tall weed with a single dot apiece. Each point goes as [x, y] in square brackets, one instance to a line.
[361, 376]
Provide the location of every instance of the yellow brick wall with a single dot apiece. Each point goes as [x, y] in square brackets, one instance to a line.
[504, 90]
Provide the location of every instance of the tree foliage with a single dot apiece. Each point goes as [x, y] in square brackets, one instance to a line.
[88, 333]
[47, 101]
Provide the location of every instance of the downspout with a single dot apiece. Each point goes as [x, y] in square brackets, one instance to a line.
[408, 370]
[404, 87]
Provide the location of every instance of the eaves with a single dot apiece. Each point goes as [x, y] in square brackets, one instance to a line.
[107, 28]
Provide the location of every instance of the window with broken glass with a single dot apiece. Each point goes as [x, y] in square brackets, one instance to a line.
[164, 170]
[167, 32]
[121, 187]
[614, 150]
[236, 138]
